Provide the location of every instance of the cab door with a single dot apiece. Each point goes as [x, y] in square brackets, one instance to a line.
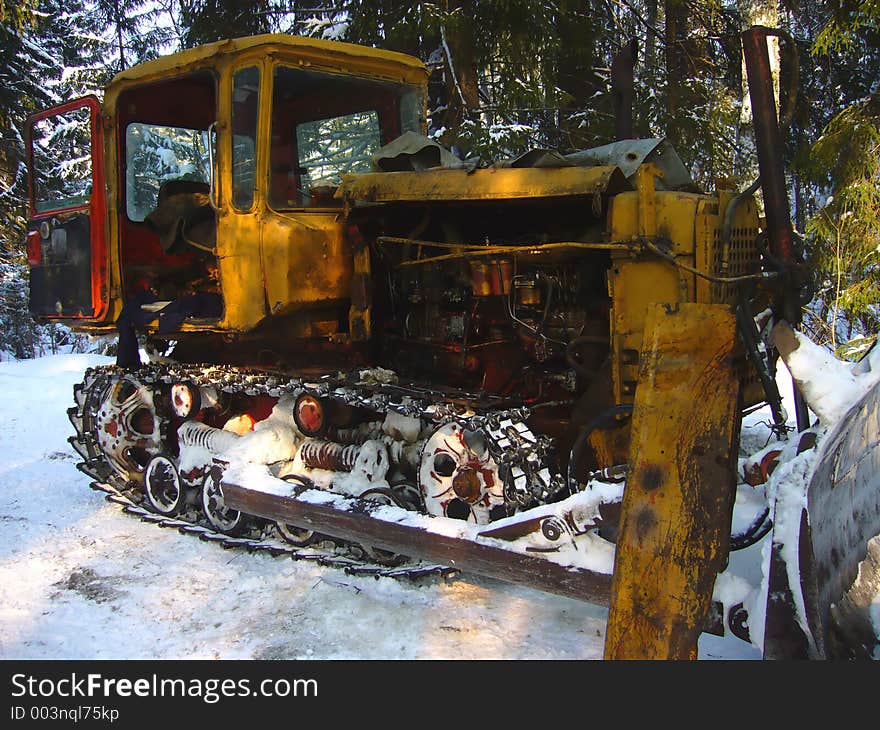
[66, 231]
[240, 199]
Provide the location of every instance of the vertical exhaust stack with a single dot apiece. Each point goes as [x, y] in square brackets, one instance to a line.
[768, 142]
[769, 147]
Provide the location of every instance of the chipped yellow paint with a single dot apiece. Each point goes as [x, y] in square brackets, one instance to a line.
[647, 206]
[690, 225]
[675, 522]
[359, 313]
[306, 259]
[674, 223]
[502, 183]
[307, 52]
[635, 284]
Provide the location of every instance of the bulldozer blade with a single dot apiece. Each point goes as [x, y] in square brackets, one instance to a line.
[843, 503]
[791, 628]
[825, 566]
[677, 505]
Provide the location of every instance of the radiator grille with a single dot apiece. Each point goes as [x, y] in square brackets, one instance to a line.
[742, 258]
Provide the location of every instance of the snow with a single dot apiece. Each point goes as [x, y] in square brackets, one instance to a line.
[831, 386]
[81, 579]
[273, 439]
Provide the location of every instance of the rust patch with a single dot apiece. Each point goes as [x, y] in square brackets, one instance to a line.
[807, 442]
[646, 521]
[466, 485]
[768, 464]
[652, 477]
[193, 475]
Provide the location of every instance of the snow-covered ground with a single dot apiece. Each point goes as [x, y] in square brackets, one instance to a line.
[79, 579]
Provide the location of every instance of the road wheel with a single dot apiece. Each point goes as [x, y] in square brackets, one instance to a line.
[296, 536]
[228, 521]
[163, 487]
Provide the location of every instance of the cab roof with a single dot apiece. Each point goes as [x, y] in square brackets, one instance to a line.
[333, 55]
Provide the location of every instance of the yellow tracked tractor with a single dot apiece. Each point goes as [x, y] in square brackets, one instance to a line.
[366, 341]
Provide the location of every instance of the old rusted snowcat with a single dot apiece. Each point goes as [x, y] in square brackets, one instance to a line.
[365, 348]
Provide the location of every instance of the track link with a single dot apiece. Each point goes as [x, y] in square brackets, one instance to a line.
[330, 553]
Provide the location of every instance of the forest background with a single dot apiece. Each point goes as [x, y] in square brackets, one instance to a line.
[509, 76]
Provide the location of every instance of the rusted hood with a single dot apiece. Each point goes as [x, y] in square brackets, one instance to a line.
[444, 184]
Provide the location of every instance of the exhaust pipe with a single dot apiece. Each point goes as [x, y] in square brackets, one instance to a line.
[769, 147]
[768, 143]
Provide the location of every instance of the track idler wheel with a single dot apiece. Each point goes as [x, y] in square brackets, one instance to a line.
[296, 536]
[228, 521]
[458, 476]
[163, 486]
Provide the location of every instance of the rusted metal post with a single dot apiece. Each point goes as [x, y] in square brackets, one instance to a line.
[769, 146]
[768, 142]
[675, 523]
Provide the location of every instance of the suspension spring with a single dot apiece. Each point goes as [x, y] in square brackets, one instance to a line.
[329, 455]
[215, 440]
[360, 434]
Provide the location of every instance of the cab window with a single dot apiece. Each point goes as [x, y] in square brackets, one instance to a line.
[327, 148]
[155, 154]
[62, 160]
[245, 114]
[326, 125]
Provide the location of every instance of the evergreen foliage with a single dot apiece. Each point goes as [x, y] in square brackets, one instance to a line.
[49, 53]
[843, 234]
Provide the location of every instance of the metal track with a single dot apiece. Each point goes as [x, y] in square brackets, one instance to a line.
[523, 455]
[88, 396]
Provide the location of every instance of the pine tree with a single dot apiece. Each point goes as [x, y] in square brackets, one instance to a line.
[206, 21]
[48, 54]
[844, 234]
[131, 30]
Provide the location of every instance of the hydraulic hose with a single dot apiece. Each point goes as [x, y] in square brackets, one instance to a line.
[585, 431]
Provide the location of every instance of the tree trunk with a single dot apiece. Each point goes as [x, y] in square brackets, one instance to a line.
[462, 79]
[118, 20]
[574, 72]
[746, 163]
[677, 70]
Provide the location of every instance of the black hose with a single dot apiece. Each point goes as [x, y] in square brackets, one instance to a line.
[585, 432]
[753, 533]
[304, 481]
[748, 332]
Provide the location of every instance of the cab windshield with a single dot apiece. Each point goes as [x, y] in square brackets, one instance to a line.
[326, 125]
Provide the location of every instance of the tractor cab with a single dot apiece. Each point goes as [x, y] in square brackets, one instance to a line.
[205, 189]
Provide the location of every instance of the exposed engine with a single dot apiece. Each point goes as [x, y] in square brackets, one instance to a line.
[490, 296]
